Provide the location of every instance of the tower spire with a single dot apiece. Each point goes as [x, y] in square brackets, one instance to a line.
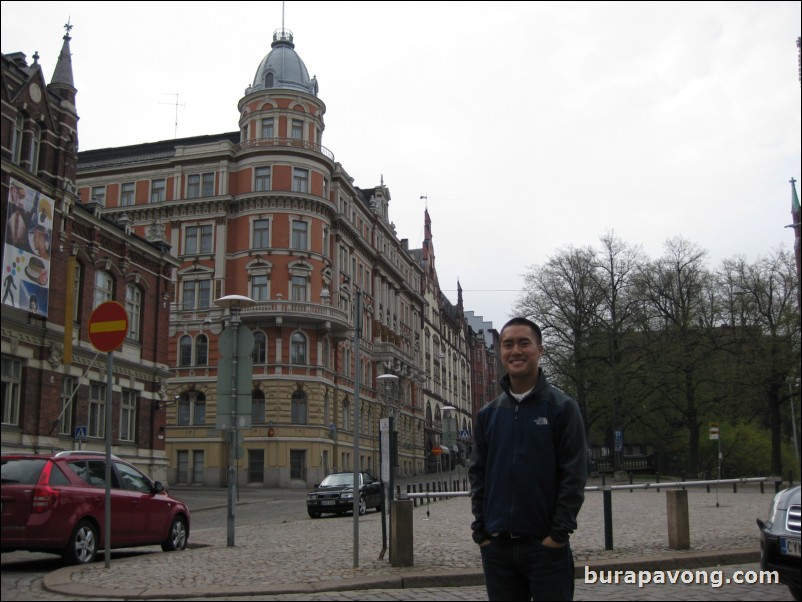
[62, 76]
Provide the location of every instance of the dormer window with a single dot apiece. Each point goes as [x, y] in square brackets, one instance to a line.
[269, 80]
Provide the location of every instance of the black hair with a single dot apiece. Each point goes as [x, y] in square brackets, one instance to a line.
[521, 321]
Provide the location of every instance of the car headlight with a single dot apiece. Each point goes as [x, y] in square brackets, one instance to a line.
[775, 503]
[347, 495]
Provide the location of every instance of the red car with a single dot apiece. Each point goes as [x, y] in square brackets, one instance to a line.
[56, 503]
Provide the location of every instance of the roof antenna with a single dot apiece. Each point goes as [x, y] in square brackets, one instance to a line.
[175, 134]
[282, 15]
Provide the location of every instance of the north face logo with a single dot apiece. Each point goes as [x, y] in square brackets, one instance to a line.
[542, 421]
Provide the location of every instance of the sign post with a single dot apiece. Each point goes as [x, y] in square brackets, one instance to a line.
[108, 327]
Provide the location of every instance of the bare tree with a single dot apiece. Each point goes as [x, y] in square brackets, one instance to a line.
[764, 310]
[675, 294]
[614, 274]
[562, 298]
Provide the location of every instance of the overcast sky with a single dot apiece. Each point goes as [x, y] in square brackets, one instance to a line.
[529, 126]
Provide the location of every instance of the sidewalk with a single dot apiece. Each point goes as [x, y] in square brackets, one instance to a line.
[317, 555]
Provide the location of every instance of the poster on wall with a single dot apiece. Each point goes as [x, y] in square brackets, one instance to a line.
[26, 253]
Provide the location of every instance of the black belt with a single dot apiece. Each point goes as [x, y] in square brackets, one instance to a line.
[513, 536]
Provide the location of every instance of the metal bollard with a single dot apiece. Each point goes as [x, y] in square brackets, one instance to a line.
[607, 497]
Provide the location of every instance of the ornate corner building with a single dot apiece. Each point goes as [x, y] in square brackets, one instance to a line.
[266, 212]
[61, 258]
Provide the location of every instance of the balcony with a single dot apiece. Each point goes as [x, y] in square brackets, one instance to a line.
[285, 142]
[299, 313]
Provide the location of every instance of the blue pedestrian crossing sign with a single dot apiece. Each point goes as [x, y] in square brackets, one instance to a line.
[80, 433]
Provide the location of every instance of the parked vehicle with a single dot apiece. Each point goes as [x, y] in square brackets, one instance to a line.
[335, 494]
[56, 503]
[780, 539]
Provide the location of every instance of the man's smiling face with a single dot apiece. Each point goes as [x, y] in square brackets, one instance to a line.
[520, 352]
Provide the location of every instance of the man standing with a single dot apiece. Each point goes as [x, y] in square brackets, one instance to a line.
[528, 473]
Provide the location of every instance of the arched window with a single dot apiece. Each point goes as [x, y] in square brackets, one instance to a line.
[133, 305]
[346, 415]
[199, 415]
[269, 80]
[33, 156]
[16, 144]
[326, 361]
[259, 354]
[191, 409]
[185, 351]
[104, 287]
[184, 410]
[298, 349]
[201, 350]
[298, 407]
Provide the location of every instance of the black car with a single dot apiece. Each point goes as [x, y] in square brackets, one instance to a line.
[779, 539]
[335, 494]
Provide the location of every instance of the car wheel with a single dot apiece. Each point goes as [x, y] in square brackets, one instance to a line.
[177, 538]
[313, 513]
[83, 544]
[363, 505]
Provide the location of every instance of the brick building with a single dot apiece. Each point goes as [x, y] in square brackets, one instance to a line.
[60, 259]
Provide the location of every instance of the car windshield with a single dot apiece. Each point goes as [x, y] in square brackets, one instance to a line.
[336, 480]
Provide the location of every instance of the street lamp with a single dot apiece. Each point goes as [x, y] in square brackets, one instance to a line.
[234, 304]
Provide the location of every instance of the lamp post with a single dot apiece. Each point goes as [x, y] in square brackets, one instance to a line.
[234, 304]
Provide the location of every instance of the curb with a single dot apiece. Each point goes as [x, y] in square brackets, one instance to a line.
[60, 580]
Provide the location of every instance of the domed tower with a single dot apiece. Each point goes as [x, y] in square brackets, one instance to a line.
[280, 229]
[282, 102]
[282, 189]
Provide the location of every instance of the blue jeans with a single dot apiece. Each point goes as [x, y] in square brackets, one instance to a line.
[525, 569]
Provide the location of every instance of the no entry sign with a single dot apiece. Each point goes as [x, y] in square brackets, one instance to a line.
[108, 326]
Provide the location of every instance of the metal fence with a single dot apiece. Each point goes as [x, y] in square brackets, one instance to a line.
[432, 491]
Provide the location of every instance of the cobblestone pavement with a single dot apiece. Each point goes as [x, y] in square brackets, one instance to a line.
[302, 559]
